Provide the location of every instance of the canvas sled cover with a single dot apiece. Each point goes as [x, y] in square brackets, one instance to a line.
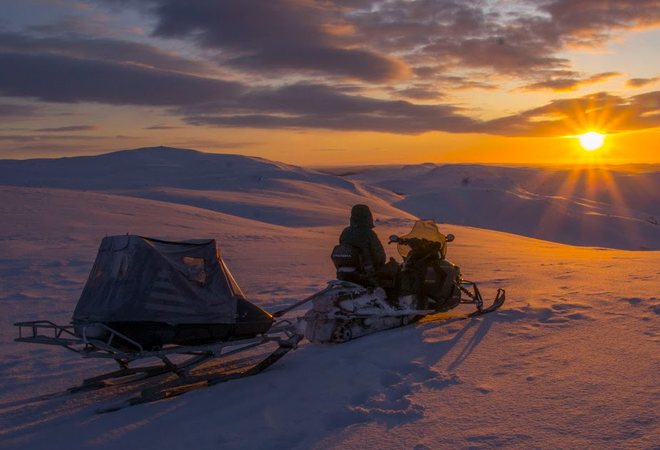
[140, 279]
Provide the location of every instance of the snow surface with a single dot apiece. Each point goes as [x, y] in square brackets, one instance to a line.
[585, 206]
[571, 361]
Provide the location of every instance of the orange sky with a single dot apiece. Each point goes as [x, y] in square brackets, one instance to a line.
[333, 82]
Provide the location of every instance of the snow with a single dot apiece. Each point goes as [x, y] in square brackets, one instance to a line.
[586, 207]
[570, 361]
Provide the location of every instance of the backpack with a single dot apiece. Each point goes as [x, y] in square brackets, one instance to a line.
[349, 263]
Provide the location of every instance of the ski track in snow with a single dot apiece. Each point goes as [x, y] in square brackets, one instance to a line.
[570, 361]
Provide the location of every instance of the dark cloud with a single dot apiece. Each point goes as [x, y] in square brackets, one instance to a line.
[32, 138]
[470, 34]
[284, 35]
[304, 106]
[317, 106]
[465, 83]
[571, 83]
[524, 38]
[62, 79]
[101, 49]
[605, 112]
[8, 111]
[420, 92]
[377, 40]
[69, 129]
[49, 149]
[592, 22]
[74, 4]
[82, 24]
[275, 49]
[641, 82]
[162, 126]
[353, 63]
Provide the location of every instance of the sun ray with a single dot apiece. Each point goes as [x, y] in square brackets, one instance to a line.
[589, 184]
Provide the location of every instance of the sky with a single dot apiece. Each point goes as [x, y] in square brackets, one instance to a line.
[333, 82]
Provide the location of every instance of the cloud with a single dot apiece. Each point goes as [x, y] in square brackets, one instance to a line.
[334, 64]
[101, 49]
[303, 106]
[69, 129]
[323, 107]
[604, 112]
[50, 149]
[209, 102]
[53, 78]
[97, 24]
[521, 38]
[641, 82]
[380, 41]
[352, 63]
[420, 92]
[63, 4]
[462, 35]
[283, 36]
[162, 126]
[8, 111]
[32, 138]
[592, 22]
[570, 83]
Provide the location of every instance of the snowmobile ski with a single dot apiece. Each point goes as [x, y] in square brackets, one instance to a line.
[497, 304]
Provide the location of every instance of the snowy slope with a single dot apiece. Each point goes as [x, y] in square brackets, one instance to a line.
[571, 361]
[248, 187]
[588, 207]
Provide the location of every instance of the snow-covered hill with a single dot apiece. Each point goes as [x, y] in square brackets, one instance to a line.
[571, 361]
[587, 207]
[157, 167]
[247, 187]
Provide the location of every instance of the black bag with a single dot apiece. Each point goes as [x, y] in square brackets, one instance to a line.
[347, 256]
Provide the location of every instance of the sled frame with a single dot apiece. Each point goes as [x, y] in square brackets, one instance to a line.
[48, 333]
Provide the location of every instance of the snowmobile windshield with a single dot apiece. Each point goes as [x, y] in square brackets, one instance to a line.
[424, 229]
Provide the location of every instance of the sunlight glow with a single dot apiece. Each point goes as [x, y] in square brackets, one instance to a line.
[591, 141]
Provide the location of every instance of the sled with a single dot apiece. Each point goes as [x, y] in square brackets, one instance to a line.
[113, 347]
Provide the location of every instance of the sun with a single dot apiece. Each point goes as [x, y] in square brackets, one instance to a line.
[591, 140]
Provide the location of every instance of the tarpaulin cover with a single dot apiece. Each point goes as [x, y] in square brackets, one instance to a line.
[140, 279]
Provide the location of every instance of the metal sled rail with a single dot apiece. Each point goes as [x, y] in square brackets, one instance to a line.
[46, 332]
[57, 334]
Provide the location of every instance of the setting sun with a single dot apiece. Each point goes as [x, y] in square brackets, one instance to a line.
[591, 141]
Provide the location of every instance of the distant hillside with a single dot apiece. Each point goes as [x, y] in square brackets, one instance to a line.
[158, 167]
[592, 207]
[248, 187]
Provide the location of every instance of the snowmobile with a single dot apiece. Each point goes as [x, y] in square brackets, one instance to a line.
[357, 303]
